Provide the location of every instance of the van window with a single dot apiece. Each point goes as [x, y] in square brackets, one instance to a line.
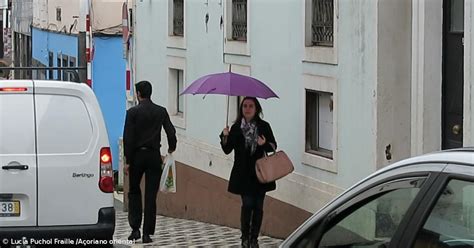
[16, 124]
[64, 124]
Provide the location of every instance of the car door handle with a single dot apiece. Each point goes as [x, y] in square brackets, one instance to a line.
[15, 167]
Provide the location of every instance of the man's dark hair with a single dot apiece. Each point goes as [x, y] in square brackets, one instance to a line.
[144, 87]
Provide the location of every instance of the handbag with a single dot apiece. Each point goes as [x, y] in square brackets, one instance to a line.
[273, 167]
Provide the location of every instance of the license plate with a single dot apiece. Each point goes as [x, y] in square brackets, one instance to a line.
[9, 208]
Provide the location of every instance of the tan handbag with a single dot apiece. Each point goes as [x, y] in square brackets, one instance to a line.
[273, 167]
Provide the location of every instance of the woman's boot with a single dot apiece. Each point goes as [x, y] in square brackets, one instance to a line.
[245, 216]
[256, 224]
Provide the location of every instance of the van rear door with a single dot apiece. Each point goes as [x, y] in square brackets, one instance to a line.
[69, 144]
[18, 170]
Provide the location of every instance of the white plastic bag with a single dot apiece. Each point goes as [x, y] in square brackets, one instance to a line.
[168, 177]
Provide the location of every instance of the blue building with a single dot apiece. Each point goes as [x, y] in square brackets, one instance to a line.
[54, 49]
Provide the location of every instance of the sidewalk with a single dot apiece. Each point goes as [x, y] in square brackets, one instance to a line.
[171, 232]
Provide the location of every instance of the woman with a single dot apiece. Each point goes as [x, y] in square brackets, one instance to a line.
[249, 137]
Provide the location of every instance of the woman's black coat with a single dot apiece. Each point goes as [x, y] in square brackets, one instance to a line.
[243, 178]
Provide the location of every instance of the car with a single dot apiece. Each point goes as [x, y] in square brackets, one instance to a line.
[56, 178]
[425, 201]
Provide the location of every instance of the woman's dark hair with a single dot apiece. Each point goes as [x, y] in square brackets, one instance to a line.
[258, 109]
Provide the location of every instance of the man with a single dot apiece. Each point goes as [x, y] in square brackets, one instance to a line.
[142, 138]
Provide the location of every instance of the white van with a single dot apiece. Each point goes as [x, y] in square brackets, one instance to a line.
[56, 177]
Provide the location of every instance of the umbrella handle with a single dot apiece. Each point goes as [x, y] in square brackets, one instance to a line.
[227, 117]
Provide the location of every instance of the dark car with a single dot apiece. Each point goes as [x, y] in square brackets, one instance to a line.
[421, 202]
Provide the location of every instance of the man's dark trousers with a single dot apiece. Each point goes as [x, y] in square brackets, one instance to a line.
[146, 162]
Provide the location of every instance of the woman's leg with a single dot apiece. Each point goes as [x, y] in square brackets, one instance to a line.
[257, 218]
[248, 204]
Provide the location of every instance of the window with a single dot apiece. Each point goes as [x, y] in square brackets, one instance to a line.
[239, 101]
[38, 74]
[239, 20]
[50, 64]
[234, 104]
[369, 220]
[72, 63]
[59, 62]
[65, 63]
[457, 16]
[319, 123]
[178, 17]
[179, 83]
[176, 84]
[451, 222]
[320, 36]
[58, 14]
[322, 25]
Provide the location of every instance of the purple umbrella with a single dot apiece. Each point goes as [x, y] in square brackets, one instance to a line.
[230, 84]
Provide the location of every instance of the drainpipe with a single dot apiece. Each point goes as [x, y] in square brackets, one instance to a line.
[86, 51]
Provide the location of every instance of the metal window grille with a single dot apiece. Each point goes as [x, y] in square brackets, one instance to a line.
[178, 17]
[323, 23]
[239, 20]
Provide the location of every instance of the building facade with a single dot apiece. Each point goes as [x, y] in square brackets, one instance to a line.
[60, 34]
[362, 84]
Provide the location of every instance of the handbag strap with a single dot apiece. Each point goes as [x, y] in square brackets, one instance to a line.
[273, 148]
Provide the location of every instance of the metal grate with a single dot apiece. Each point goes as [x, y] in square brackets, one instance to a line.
[239, 20]
[323, 23]
[178, 17]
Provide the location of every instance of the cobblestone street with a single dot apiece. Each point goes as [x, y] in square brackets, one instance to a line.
[171, 232]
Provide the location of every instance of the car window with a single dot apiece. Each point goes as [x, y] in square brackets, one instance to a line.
[451, 222]
[368, 223]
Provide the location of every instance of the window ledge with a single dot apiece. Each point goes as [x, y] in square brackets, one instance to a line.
[237, 47]
[320, 54]
[176, 42]
[319, 162]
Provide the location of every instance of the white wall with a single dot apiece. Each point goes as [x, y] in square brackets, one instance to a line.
[44, 15]
[393, 81]
[107, 16]
[22, 15]
[276, 57]
[104, 15]
[468, 132]
[427, 27]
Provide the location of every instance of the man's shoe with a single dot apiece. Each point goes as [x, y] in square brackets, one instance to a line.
[146, 239]
[134, 235]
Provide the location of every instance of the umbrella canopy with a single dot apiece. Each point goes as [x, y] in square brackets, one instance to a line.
[230, 84]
